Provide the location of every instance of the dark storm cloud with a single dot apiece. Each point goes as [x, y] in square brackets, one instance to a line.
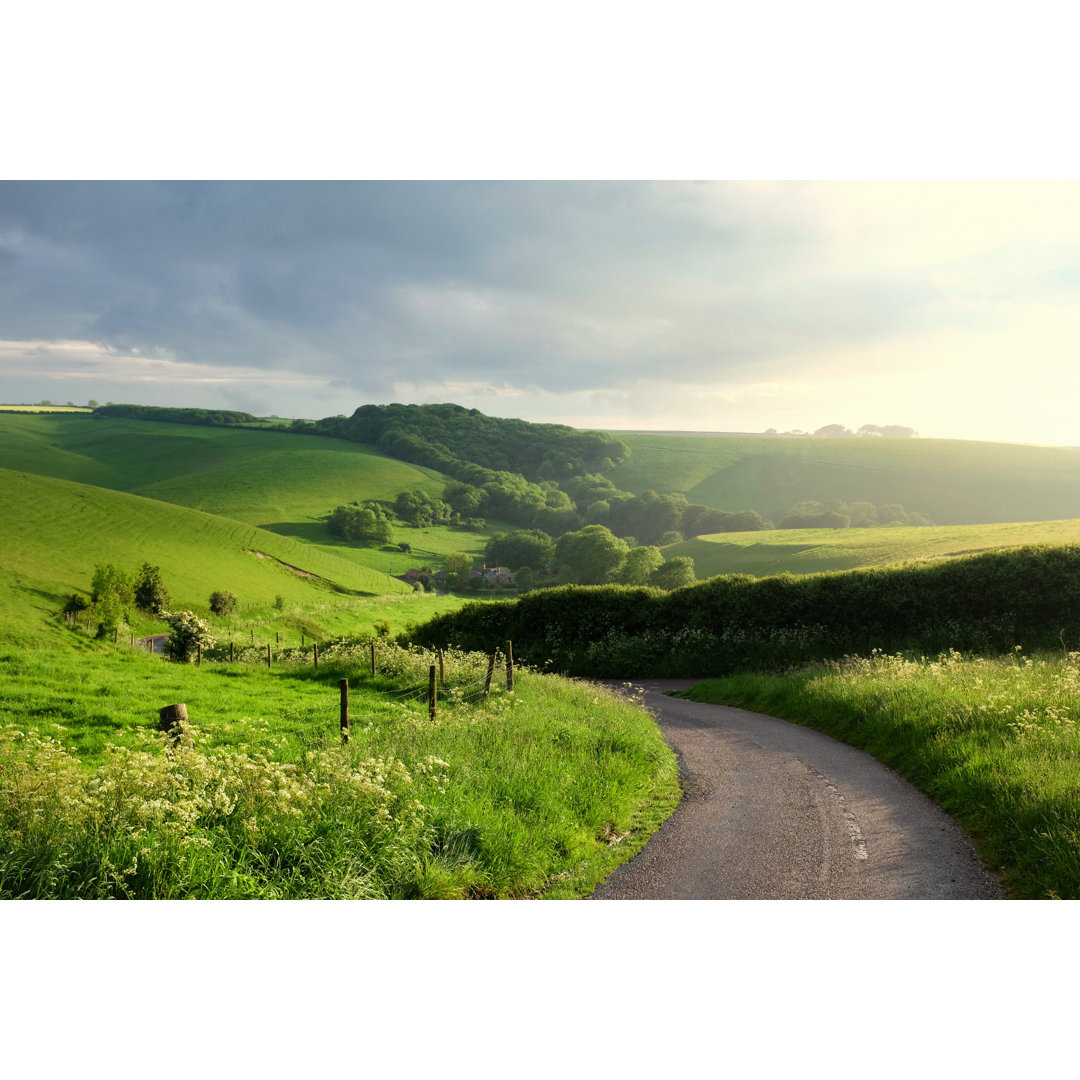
[555, 285]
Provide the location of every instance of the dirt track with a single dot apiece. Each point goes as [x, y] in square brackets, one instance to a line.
[775, 811]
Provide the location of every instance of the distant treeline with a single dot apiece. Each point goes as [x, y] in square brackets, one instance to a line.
[988, 603]
[538, 476]
[203, 417]
[837, 514]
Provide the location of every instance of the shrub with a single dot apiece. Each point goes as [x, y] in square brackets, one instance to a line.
[224, 602]
[113, 594]
[189, 632]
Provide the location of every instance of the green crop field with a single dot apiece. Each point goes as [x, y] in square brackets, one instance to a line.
[813, 551]
[952, 481]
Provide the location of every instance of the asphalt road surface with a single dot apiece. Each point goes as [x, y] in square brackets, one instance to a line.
[774, 811]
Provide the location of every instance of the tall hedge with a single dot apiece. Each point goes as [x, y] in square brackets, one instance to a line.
[988, 603]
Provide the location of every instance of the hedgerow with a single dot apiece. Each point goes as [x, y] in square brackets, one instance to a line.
[984, 603]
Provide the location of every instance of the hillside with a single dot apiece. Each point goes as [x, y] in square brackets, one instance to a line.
[282, 481]
[261, 477]
[813, 551]
[952, 481]
[56, 531]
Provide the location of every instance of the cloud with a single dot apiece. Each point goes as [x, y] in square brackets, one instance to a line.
[524, 292]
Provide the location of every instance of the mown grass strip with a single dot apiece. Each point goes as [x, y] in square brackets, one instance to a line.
[995, 742]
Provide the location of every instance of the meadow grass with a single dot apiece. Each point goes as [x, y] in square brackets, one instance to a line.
[955, 482]
[815, 551]
[995, 742]
[538, 792]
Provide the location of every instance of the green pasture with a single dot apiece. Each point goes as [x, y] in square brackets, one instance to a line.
[537, 792]
[265, 478]
[280, 481]
[56, 532]
[813, 551]
[955, 482]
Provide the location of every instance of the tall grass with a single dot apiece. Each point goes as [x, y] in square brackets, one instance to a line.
[537, 792]
[995, 742]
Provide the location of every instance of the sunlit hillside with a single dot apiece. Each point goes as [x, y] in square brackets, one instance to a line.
[813, 551]
[56, 531]
[953, 482]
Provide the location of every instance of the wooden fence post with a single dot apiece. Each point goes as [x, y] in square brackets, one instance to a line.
[278, 637]
[509, 665]
[268, 656]
[344, 711]
[490, 673]
[303, 639]
[315, 647]
[232, 652]
[373, 658]
[253, 636]
[198, 655]
[431, 692]
[442, 673]
[116, 634]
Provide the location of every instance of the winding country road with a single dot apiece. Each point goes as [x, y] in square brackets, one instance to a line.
[774, 811]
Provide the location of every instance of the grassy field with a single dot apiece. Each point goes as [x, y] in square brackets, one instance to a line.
[812, 551]
[260, 477]
[954, 482]
[280, 481]
[995, 742]
[56, 532]
[45, 409]
[539, 792]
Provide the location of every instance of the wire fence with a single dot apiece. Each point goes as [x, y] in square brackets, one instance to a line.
[453, 678]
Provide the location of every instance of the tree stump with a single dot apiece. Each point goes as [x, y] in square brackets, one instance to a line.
[170, 718]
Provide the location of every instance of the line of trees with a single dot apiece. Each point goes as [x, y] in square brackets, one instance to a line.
[810, 514]
[168, 415]
[589, 556]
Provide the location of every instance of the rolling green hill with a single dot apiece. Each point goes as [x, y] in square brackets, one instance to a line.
[813, 551]
[261, 477]
[954, 482]
[281, 481]
[56, 531]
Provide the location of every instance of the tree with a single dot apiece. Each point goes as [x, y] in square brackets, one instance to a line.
[590, 556]
[523, 547]
[640, 562]
[224, 602]
[457, 567]
[674, 574]
[150, 592]
[367, 524]
[525, 579]
[833, 431]
[113, 596]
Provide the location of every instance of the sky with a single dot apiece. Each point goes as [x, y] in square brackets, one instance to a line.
[951, 307]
